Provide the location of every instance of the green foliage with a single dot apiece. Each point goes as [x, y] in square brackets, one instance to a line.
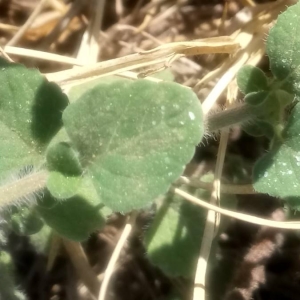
[283, 46]
[278, 172]
[62, 158]
[25, 221]
[61, 186]
[8, 291]
[171, 239]
[77, 216]
[30, 115]
[120, 145]
[136, 140]
[252, 79]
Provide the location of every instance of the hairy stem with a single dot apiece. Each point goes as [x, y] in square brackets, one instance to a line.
[231, 116]
[22, 188]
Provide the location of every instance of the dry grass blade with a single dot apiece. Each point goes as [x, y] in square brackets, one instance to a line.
[245, 189]
[115, 256]
[161, 55]
[236, 215]
[28, 23]
[82, 266]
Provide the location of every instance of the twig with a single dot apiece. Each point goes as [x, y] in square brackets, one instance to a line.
[55, 245]
[212, 221]
[28, 23]
[42, 55]
[225, 188]
[82, 266]
[158, 55]
[115, 256]
[63, 23]
[236, 215]
[89, 49]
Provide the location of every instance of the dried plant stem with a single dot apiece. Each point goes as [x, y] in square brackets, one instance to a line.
[212, 222]
[244, 189]
[55, 245]
[115, 256]
[82, 266]
[236, 215]
[159, 55]
[28, 23]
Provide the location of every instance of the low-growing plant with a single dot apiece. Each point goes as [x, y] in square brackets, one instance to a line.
[70, 162]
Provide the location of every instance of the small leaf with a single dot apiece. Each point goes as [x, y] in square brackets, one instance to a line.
[76, 217]
[278, 172]
[25, 221]
[41, 240]
[174, 237]
[30, 115]
[259, 128]
[268, 107]
[61, 186]
[134, 138]
[8, 289]
[62, 158]
[283, 46]
[256, 98]
[251, 79]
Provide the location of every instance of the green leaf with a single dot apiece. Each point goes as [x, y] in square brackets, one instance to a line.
[134, 138]
[25, 221]
[61, 186]
[8, 289]
[251, 79]
[278, 172]
[78, 90]
[62, 158]
[173, 239]
[256, 98]
[76, 217]
[283, 46]
[30, 115]
[41, 240]
[259, 128]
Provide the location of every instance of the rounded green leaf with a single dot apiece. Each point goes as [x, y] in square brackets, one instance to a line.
[62, 158]
[256, 98]
[26, 221]
[61, 186]
[173, 239]
[251, 79]
[278, 172]
[283, 46]
[8, 287]
[259, 128]
[134, 138]
[77, 217]
[30, 115]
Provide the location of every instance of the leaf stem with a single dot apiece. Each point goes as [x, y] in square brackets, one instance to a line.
[22, 188]
[232, 116]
